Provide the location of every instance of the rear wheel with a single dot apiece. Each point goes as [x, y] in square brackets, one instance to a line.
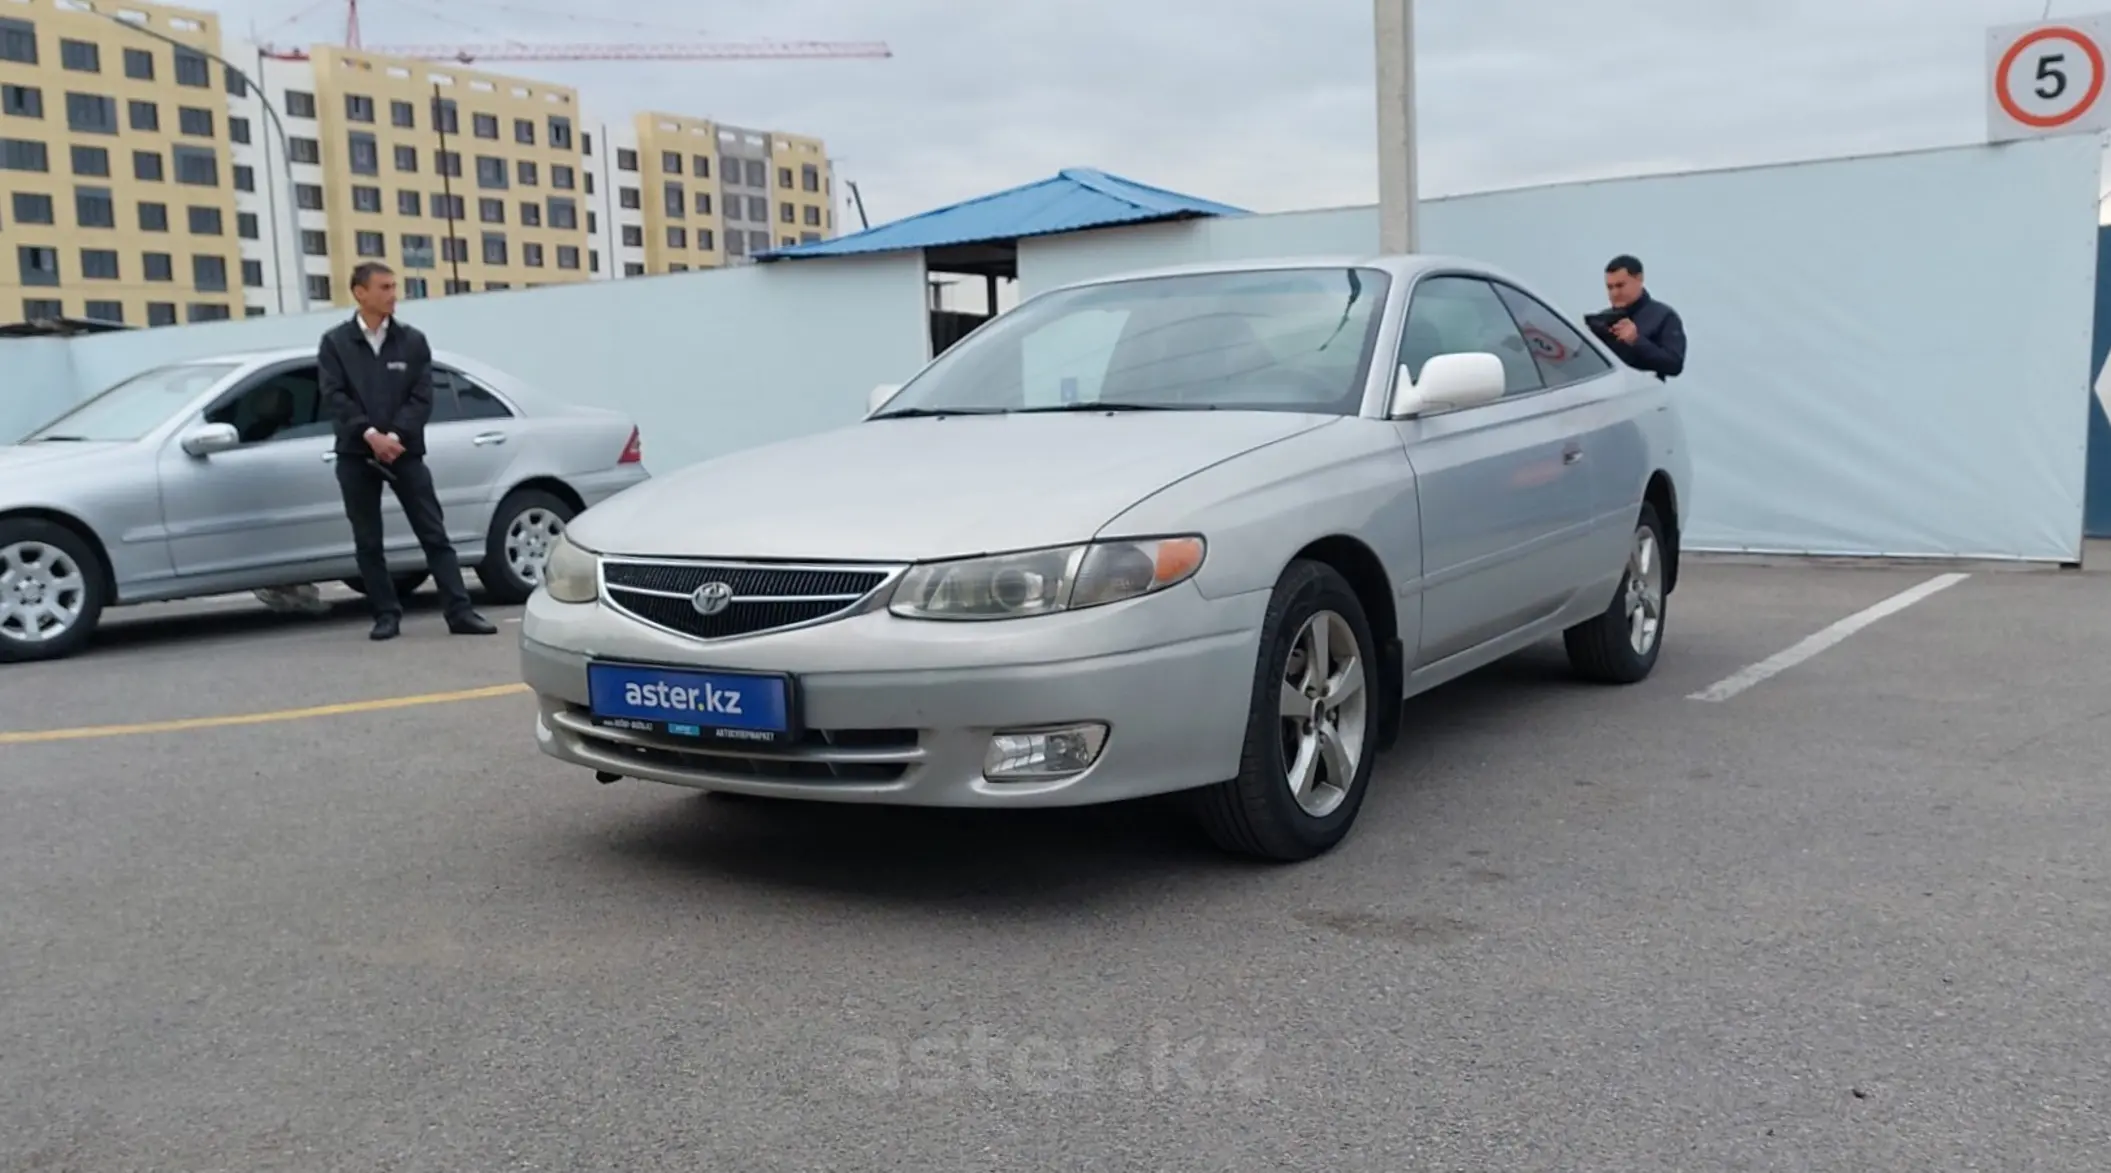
[1620, 646]
[523, 529]
[51, 591]
[1312, 728]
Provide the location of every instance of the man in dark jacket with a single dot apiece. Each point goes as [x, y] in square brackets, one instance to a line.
[1645, 333]
[377, 383]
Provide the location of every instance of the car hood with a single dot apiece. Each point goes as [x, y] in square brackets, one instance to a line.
[31, 467]
[914, 489]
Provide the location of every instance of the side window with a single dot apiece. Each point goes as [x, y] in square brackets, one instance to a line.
[476, 402]
[444, 408]
[1451, 315]
[1563, 355]
[286, 405]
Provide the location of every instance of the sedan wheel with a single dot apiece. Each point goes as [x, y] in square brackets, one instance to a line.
[1620, 645]
[528, 542]
[524, 528]
[1311, 732]
[50, 591]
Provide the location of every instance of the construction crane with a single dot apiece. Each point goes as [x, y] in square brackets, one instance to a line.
[469, 54]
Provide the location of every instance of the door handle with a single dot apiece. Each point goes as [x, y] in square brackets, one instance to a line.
[489, 438]
[1572, 453]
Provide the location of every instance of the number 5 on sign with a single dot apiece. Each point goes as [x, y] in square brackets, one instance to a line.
[2047, 79]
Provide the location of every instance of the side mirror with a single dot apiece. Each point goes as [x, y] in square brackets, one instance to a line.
[211, 438]
[1449, 382]
[879, 397]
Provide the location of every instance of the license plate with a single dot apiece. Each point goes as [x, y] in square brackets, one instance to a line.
[726, 706]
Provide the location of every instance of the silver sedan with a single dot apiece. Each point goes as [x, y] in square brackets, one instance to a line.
[1200, 530]
[213, 476]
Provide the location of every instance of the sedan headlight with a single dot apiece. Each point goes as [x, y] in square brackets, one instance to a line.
[570, 574]
[1041, 582]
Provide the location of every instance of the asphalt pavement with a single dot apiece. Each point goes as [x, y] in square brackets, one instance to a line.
[1854, 916]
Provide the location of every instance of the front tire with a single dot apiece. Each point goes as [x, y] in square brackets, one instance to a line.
[523, 528]
[1312, 726]
[1621, 645]
[51, 591]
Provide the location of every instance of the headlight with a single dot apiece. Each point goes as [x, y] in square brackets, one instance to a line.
[570, 574]
[1041, 582]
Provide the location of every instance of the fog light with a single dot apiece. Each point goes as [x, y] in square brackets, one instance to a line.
[1032, 755]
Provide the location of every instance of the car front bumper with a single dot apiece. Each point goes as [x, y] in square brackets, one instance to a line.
[903, 711]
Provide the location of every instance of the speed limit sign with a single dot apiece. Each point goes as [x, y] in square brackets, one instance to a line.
[2047, 79]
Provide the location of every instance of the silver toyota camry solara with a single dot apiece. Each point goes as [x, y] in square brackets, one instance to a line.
[1194, 530]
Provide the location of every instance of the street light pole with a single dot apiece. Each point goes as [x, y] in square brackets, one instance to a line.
[285, 146]
[1397, 211]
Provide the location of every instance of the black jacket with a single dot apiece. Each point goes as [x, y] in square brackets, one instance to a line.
[1660, 337]
[390, 391]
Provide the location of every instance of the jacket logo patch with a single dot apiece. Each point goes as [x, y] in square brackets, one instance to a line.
[399, 366]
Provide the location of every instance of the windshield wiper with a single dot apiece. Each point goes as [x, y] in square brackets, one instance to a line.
[921, 413]
[1057, 407]
[63, 439]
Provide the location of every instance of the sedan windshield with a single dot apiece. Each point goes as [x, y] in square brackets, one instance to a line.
[135, 407]
[1248, 340]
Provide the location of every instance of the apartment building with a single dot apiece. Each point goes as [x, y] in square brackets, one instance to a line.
[116, 184]
[680, 193]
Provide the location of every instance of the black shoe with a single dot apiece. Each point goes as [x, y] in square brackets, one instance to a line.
[470, 623]
[386, 627]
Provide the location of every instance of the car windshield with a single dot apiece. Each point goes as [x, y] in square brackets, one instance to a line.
[1250, 340]
[135, 407]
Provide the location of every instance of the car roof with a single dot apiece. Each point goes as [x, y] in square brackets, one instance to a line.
[1404, 265]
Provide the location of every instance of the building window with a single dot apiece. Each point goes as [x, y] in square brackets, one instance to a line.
[784, 178]
[99, 264]
[701, 165]
[674, 268]
[484, 125]
[91, 161]
[788, 213]
[91, 113]
[633, 269]
[366, 199]
[105, 311]
[593, 223]
[209, 274]
[299, 104]
[759, 210]
[158, 266]
[758, 174]
[567, 256]
[37, 264]
[448, 207]
[491, 172]
[809, 177]
[633, 236]
[729, 169]
[308, 196]
[23, 155]
[414, 288]
[491, 211]
[315, 243]
[144, 116]
[409, 203]
[417, 251]
[495, 286]
[628, 197]
[193, 70]
[304, 150]
[561, 177]
[677, 236]
[809, 237]
[21, 101]
[206, 222]
[238, 130]
[560, 132]
[402, 114]
[195, 121]
[245, 177]
[147, 167]
[445, 116]
[452, 286]
[703, 203]
[593, 260]
[153, 217]
[564, 213]
[586, 144]
[524, 131]
[704, 241]
[736, 245]
[370, 244]
[589, 183]
[253, 311]
[449, 163]
[80, 57]
[733, 207]
[161, 313]
[526, 174]
[364, 155]
[252, 274]
[93, 207]
[531, 255]
[454, 250]
[671, 162]
[530, 214]
[34, 308]
[208, 311]
[197, 166]
[495, 248]
[318, 287]
[674, 200]
[246, 225]
[407, 160]
[359, 108]
[18, 41]
[237, 84]
[34, 208]
[626, 159]
[813, 216]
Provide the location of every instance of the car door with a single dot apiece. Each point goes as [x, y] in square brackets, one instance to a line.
[470, 442]
[1505, 507]
[269, 503]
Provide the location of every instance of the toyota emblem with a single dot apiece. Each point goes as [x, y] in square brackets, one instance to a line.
[711, 598]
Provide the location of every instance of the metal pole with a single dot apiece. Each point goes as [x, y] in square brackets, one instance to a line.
[447, 195]
[1397, 211]
[292, 205]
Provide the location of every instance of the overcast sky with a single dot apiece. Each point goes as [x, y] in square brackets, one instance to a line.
[1266, 104]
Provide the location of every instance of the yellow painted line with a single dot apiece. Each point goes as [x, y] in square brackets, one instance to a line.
[189, 723]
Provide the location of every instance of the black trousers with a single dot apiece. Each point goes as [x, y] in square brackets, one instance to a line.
[361, 486]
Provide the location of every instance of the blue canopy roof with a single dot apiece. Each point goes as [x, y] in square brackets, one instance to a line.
[1076, 198]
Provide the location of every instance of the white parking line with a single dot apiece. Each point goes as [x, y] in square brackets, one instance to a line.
[1782, 661]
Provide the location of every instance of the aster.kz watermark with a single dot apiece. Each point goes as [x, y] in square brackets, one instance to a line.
[978, 1059]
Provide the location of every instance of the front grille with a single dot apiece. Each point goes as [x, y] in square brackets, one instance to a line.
[764, 597]
[817, 755]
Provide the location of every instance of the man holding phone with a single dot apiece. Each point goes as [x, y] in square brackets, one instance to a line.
[1645, 333]
[377, 380]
